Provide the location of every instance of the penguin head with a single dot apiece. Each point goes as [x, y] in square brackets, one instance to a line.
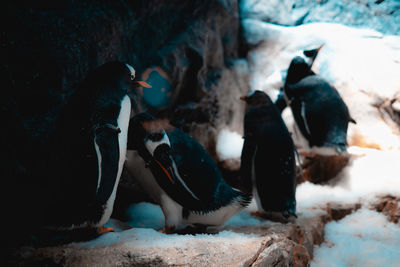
[298, 69]
[111, 73]
[257, 98]
[151, 140]
[312, 54]
[135, 82]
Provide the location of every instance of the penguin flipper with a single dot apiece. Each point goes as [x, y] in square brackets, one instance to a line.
[281, 101]
[247, 157]
[107, 148]
[298, 89]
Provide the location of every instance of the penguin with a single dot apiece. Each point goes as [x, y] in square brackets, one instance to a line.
[318, 109]
[89, 148]
[179, 174]
[268, 165]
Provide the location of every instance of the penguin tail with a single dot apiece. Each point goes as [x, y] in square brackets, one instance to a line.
[290, 208]
[243, 198]
[352, 120]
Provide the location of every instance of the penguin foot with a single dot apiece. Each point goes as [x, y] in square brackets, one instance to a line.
[257, 214]
[308, 154]
[167, 230]
[193, 230]
[103, 230]
[273, 216]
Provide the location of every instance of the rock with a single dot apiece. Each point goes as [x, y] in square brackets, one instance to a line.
[319, 169]
[389, 109]
[383, 16]
[337, 211]
[51, 49]
[250, 245]
[390, 206]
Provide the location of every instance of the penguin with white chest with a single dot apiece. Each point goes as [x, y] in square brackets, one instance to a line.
[178, 173]
[318, 109]
[268, 165]
[89, 149]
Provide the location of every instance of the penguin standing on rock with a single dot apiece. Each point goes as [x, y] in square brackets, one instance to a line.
[89, 148]
[317, 107]
[268, 164]
[179, 174]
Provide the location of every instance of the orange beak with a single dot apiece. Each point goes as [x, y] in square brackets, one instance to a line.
[143, 84]
[243, 98]
[166, 172]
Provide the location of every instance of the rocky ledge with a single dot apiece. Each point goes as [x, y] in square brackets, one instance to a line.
[257, 243]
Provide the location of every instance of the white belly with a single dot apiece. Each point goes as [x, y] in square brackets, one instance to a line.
[253, 181]
[171, 209]
[214, 218]
[123, 124]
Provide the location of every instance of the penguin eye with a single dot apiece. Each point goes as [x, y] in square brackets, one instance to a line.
[156, 136]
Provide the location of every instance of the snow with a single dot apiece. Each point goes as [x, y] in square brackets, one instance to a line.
[370, 173]
[229, 144]
[147, 218]
[145, 215]
[364, 238]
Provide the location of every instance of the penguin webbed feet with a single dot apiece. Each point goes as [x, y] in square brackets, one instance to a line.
[101, 230]
[282, 217]
[288, 214]
[167, 230]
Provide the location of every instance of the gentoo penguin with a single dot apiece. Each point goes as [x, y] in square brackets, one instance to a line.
[268, 164]
[178, 173]
[89, 149]
[318, 109]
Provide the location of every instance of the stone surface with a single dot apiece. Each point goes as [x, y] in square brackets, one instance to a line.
[383, 16]
[273, 243]
[390, 206]
[319, 169]
[50, 49]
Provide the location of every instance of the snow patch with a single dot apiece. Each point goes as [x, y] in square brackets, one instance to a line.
[370, 173]
[364, 238]
[229, 145]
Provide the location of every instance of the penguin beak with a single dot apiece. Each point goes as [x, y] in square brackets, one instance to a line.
[243, 98]
[168, 172]
[319, 48]
[110, 126]
[141, 84]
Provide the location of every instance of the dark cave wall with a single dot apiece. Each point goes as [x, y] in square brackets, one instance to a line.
[48, 49]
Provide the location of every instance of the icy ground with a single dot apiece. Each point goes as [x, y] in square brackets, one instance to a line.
[364, 238]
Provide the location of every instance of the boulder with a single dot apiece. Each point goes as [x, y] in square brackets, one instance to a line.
[381, 15]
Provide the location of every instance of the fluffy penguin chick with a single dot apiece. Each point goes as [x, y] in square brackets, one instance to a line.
[178, 173]
[89, 149]
[268, 165]
[318, 109]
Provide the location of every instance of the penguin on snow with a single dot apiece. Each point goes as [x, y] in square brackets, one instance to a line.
[268, 165]
[179, 174]
[318, 109]
[89, 149]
